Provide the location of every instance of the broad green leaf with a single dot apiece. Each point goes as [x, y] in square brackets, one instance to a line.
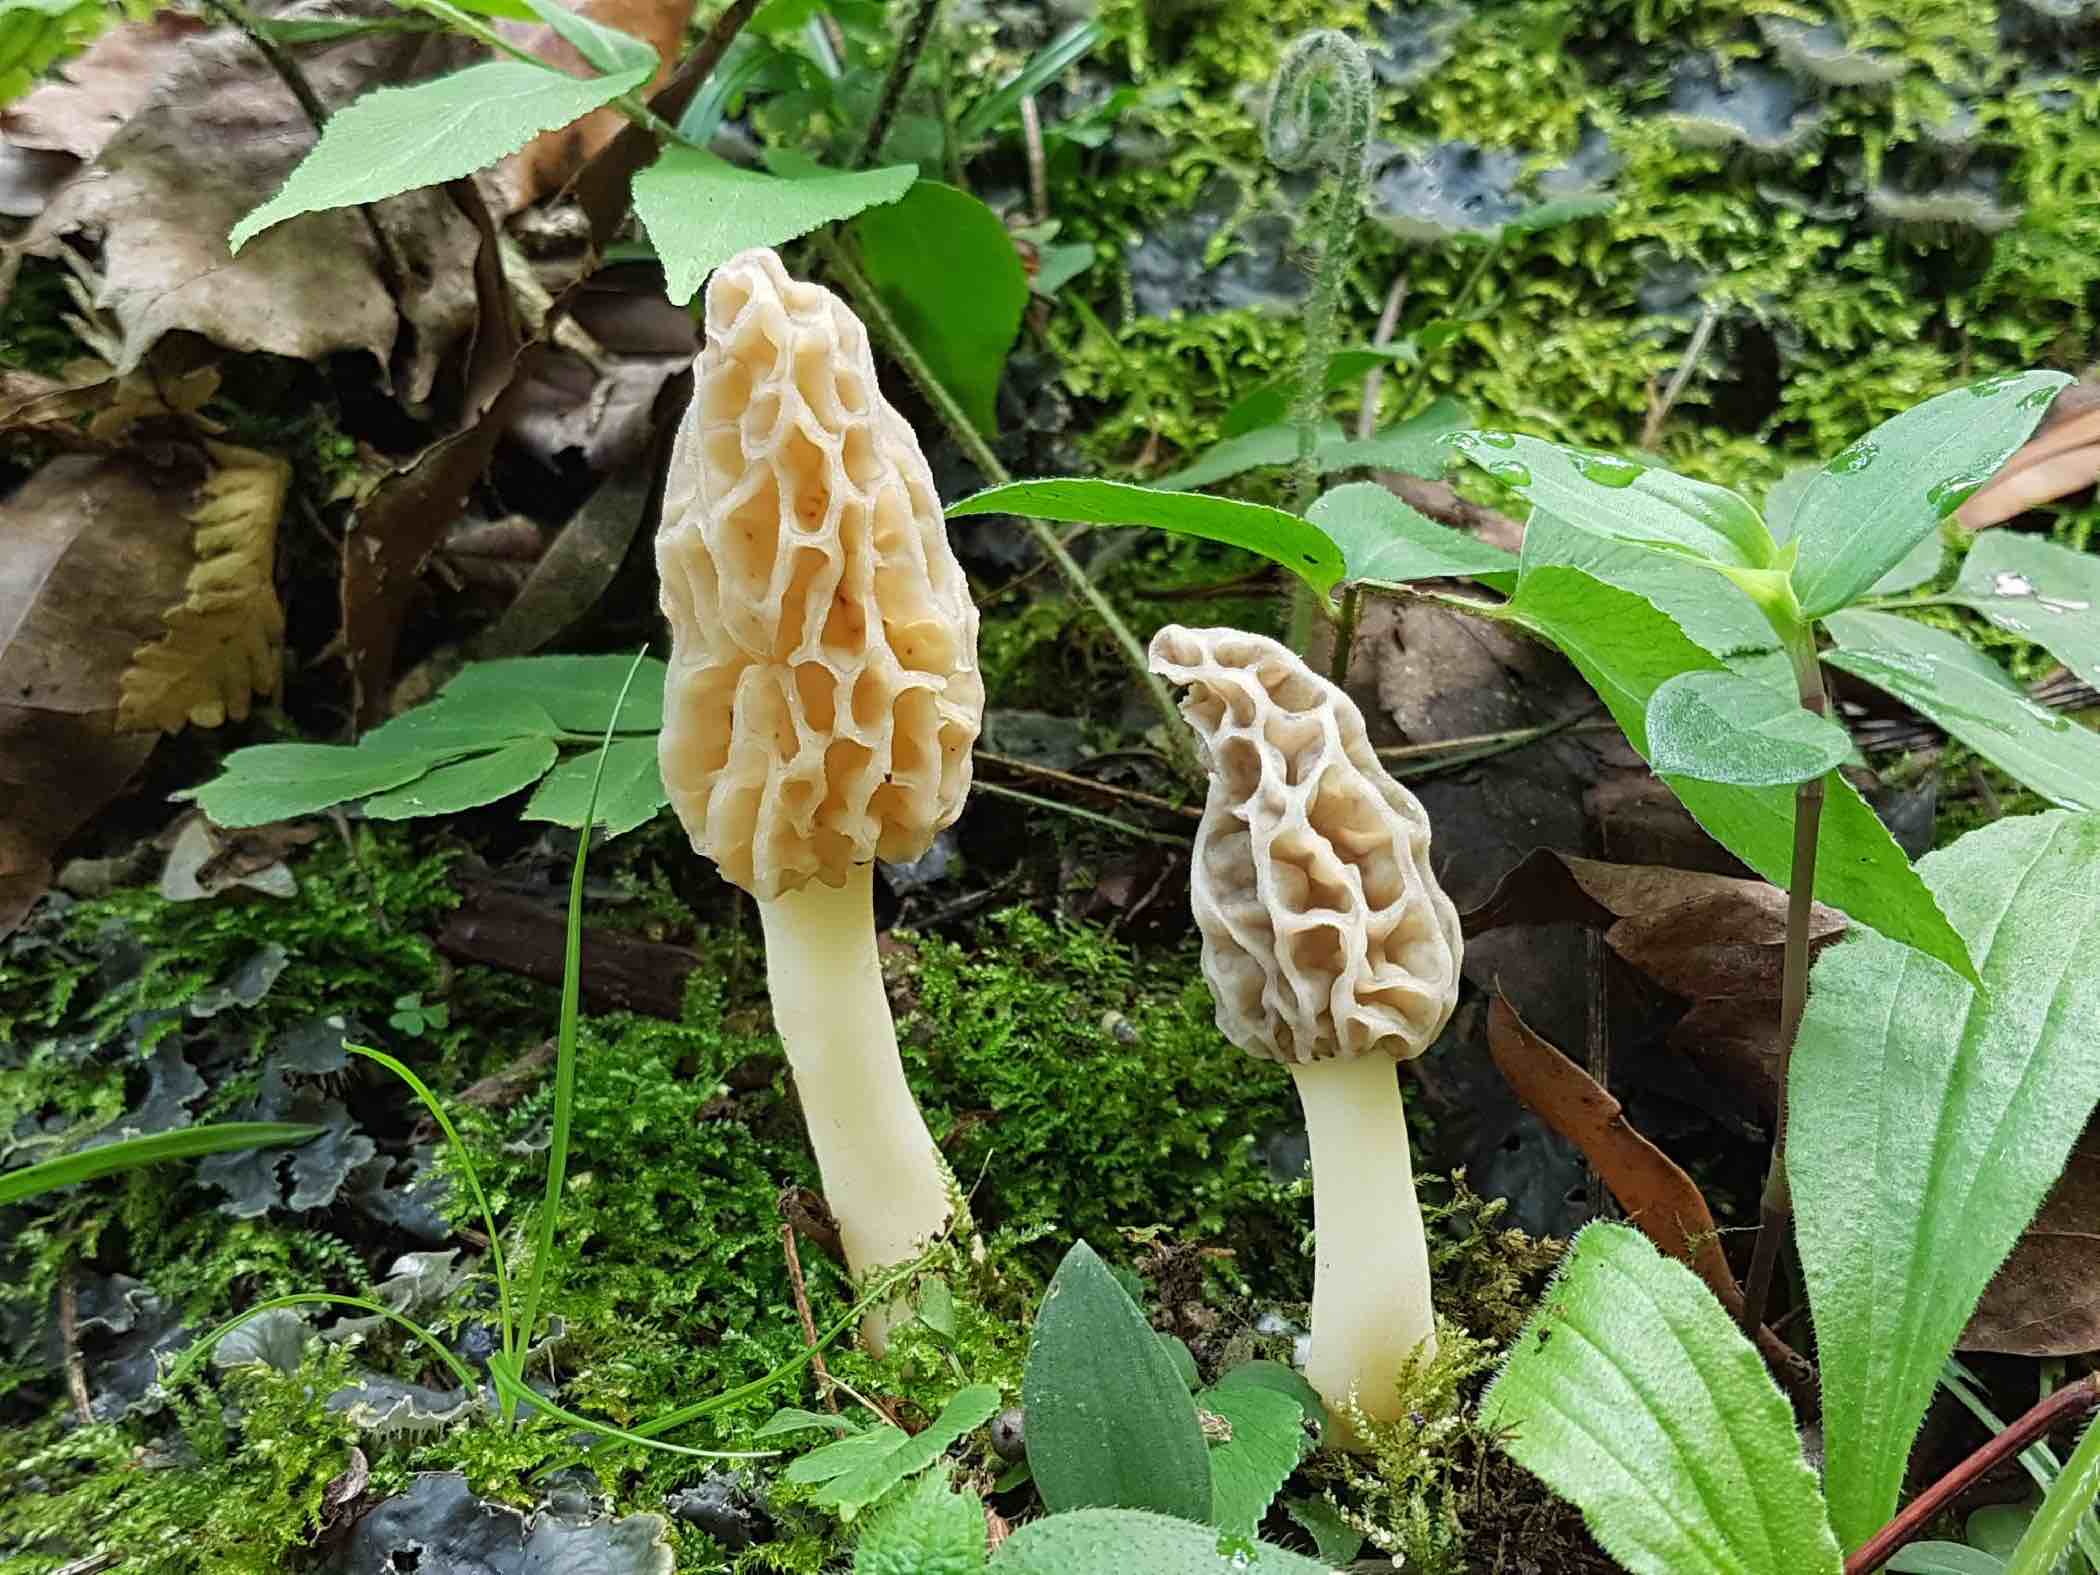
[854, 1472]
[460, 721]
[2029, 586]
[632, 793]
[1049, 63]
[701, 210]
[284, 781]
[1626, 648]
[930, 1530]
[1383, 541]
[1110, 1423]
[1920, 564]
[1416, 446]
[793, 1419]
[1248, 1469]
[1129, 1541]
[1282, 538]
[106, 1159]
[398, 139]
[1262, 448]
[1929, 1119]
[1944, 1558]
[1270, 404]
[1625, 499]
[1262, 1373]
[946, 268]
[1632, 1395]
[607, 49]
[1960, 690]
[467, 784]
[37, 34]
[1058, 266]
[578, 692]
[1874, 502]
[1723, 727]
[2063, 1513]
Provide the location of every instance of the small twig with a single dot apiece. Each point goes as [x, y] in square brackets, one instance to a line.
[809, 1322]
[1597, 1053]
[1374, 380]
[1036, 801]
[1652, 432]
[1038, 166]
[917, 32]
[1088, 784]
[393, 272]
[1469, 747]
[2072, 1400]
[69, 1337]
[1068, 541]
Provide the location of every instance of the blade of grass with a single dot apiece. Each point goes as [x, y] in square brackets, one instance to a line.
[190, 1359]
[130, 1153]
[516, 1391]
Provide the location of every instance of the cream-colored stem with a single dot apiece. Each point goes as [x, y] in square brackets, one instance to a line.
[1370, 1309]
[882, 1175]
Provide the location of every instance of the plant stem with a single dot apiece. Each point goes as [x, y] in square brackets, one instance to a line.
[908, 52]
[1177, 742]
[1777, 1210]
[2072, 1400]
[1345, 635]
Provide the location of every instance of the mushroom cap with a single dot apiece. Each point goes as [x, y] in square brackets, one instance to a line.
[1325, 933]
[823, 693]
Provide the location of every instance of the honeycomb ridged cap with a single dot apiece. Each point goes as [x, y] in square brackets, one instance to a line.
[823, 695]
[1325, 933]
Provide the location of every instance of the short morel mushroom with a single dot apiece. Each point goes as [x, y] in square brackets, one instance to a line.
[821, 706]
[1329, 946]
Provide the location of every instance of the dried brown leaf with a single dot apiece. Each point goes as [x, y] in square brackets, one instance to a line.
[225, 643]
[2061, 458]
[2045, 1300]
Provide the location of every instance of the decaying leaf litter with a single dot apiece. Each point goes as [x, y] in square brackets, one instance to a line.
[285, 495]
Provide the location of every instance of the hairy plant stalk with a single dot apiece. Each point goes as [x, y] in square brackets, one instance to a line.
[1776, 1212]
[917, 32]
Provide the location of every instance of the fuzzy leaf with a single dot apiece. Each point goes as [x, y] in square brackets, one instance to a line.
[928, 1531]
[1125, 1541]
[1944, 1558]
[1632, 1394]
[607, 49]
[1722, 727]
[1930, 1119]
[1385, 542]
[225, 643]
[1110, 1423]
[1867, 508]
[946, 268]
[398, 139]
[1249, 1469]
[1416, 446]
[700, 210]
[1948, 681]
[2029, 586]
[632, 793]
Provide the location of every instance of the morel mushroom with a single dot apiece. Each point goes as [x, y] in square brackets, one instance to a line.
[1329, 946]
[822, 702]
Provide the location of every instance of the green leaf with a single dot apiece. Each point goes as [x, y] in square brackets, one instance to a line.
[1960, 690]
[1416, 446]
[1058, 266]
[1110, 1423]
[1334, 1539]
[1265, 1374]
[2063, 1513]
[269, 782]
[928, 1531]
[1126, 1541]
[398, 139]
[1249, 1469]
[1723, 727]
[1561, 210]
[1868, 507]
[467, 784]
[1920, 564]
[946, 268]
[607, 49]
[1282, 538]
[1627, 648]
[106, 1159]
[793, 1419]
[1049, 63]
[37, 34]
[1929, 1119]
[1624, 499]
[578, 692]
[1632, 1395]
[1270, 404]
[700, 210]
[1944, 1558]
[1384, 542]
[1260, 449]
[2029, 586]
[632, 794]
[854, 1472]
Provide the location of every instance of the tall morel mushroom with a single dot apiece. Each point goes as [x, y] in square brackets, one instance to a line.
[1329, 946]
[822, 702]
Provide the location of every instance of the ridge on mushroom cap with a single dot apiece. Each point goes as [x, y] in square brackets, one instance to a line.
[1325, 933]
[823, 694]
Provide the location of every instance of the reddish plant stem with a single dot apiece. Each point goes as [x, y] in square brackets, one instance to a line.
[2073, 1400]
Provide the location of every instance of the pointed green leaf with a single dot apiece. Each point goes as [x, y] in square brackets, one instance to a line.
[1944, 1558]
[1384, 542]
[1249, 1468]
[1110, 1423]
[1627, 648]
[700, 210]
[1262, 448]
[1929, 1119]
[930, 1530]
[2029, 586]
[1049, 63]
[1282, 538]
[1632, 1394]
[398, 139]
[2065, 1511]
[284, 781]
[106, 1159]
[1963, 692]
[606, 48]
[632, 793]
[1920, 564]
[460, 721]
[1416, 446]
[1624, 499]
[1868, 507]
[578, 692]
[1722, 727]
[467, 784]
[857, 1470]
[1099, 1541]
[946, 268]
[1270, 404]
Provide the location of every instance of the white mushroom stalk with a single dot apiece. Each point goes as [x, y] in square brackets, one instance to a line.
[1329, 946]
[821, 705]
